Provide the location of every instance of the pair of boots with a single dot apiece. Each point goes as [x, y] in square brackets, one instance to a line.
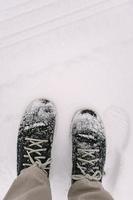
[35, 140]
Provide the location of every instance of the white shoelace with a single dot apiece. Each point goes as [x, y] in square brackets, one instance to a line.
[37, 159]
[87, 152]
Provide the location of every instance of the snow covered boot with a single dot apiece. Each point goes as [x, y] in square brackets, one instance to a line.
[88, 146]
[35, 135]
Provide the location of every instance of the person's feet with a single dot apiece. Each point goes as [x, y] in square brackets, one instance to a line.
[35, 135]
[88, 146]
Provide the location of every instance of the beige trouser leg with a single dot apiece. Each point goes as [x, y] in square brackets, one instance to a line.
[31, 184]
[88, 190]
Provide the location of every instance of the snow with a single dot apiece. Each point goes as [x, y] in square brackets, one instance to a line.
[117, 133]
[77, 54]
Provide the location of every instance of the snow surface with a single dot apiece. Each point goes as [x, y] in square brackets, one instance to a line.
[78, 54]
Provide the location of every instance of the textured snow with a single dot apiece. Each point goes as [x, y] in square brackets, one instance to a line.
[77, 54]
[118, 134]
[87, 121]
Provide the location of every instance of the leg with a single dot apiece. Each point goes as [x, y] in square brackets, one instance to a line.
[88, 157]
[88, 190]
[31, 184]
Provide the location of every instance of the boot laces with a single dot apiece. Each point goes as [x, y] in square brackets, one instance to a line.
[38, 159]
[95, 174]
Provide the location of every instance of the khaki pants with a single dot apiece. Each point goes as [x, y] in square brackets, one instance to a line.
[33, 184]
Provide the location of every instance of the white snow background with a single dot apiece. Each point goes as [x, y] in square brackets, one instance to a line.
[77, 53]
